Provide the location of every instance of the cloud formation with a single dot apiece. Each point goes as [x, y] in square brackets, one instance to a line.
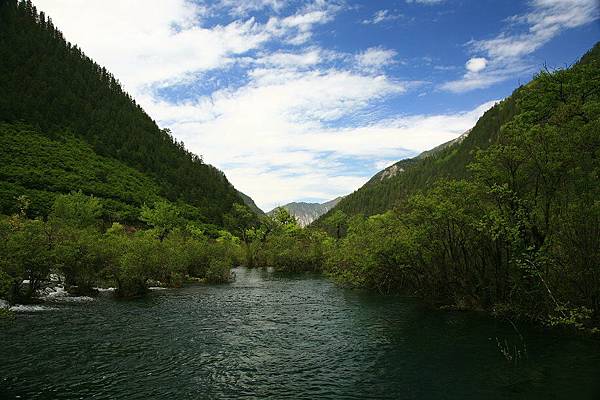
[426, 2]
[148, 42]
[381, 16]
[523, 35]
[375, 59]
[476, 64]
[250, 87]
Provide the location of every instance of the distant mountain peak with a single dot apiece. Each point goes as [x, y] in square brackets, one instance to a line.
[305, 213]
[400, 166]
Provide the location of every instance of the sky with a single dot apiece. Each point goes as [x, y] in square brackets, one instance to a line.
[305, 100]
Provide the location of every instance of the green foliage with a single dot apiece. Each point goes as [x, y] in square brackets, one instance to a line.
[76, 210]
[6, 280]
[577, 318]
[336, 223]
[241, 221]
[72, 245]
[507, 220]
[219, 271]
[141, 261]
[294, 250]
[43, 169]
[80, 256]
[26, 256]
[283, 218]
[6, 313]
[279, 243]
[376, 253]
[163, 217]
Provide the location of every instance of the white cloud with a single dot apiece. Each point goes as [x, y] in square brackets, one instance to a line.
[273, 139]
[160, 41]
[381, 16]
[243, 8]
[473, 81]
[375, 58]
[476, 64]
[297, 28]
[307, 58]
[383, 164]
[426, 2]
[505, 53]
[546, 20]
[157, 40]
[273, 136]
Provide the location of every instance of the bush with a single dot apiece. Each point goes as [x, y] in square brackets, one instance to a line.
[219, 271]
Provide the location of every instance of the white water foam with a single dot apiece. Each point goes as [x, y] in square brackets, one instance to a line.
[74, 299]
[59, 294]
[104, 290]
[31, 308]
[157, 288]
[51, 293]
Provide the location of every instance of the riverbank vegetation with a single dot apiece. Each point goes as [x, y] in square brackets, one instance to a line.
[72, 243]
[95, 194]
[518, 234]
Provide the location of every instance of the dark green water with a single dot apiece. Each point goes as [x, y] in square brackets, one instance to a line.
[272, 336]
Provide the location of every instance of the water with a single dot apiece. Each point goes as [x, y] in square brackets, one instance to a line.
[276, 336]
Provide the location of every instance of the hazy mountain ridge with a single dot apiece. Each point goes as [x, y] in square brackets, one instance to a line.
[306, 213]
[446, 161]
[251, 204]
[400, 166]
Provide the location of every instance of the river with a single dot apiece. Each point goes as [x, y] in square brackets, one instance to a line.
[277, 336]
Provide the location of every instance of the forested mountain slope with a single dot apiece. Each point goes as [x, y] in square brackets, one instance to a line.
[53, 87]
[420, 173]
[250, 203]
[400, 166]
[515, 227]
[41, 168]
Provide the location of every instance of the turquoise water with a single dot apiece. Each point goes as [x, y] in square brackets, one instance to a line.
[277, 336]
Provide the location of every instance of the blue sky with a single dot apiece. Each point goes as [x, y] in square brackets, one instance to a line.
[305, 100]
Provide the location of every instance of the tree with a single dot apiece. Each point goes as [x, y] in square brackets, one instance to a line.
[283, 218]
[240, 221]
[336, 223]
[163, 217]
[76, 210]
[28, 257]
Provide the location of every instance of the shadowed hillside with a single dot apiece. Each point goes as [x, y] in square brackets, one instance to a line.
[53, 87]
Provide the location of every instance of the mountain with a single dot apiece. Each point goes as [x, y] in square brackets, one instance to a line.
[251, 204]
[53, 93]
[400, 166]
[442, 146]
[447, 161]
[306, 213]
[41, 168]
